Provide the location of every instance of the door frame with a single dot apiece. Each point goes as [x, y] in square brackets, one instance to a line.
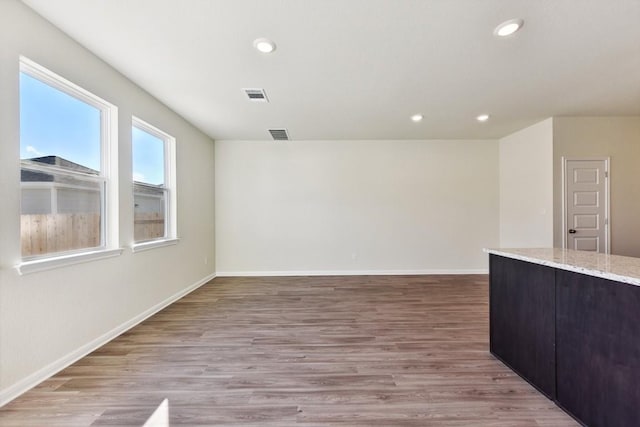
[607, 220]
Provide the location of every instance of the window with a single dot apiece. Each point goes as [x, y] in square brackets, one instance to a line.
[153, 153]
[65, 154]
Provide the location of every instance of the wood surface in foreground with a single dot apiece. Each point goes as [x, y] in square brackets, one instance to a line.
[308, 351]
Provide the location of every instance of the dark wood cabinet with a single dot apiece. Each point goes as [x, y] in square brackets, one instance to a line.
[522, 320]
[575, 337]
[598, 349]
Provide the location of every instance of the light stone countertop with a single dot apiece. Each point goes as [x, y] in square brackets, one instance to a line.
[613, 267]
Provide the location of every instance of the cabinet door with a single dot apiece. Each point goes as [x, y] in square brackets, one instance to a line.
[522, 319]
[598, 349]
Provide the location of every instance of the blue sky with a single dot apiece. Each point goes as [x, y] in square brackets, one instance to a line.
[148, 157]
[53, 123]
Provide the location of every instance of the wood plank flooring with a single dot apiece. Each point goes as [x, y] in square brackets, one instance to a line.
[308, 351]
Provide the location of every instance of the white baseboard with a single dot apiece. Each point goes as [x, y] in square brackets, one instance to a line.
[348, 273]
[15, 390]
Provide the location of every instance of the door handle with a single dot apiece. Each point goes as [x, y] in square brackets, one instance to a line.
[572, 231]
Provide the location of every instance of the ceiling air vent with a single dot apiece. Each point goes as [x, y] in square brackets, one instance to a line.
[256, 95]
[279, 134]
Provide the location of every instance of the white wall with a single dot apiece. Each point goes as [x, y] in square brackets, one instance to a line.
[619, 139]
[526, 187]
[322, 207]
[47, 319]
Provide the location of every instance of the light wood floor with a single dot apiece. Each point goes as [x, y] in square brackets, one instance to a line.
[310, 351]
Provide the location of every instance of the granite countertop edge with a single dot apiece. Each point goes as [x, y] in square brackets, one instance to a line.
[612, 267]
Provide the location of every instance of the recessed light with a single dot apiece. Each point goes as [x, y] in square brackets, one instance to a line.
[482, 117]
[508, 27]
[264, 45]
[417, 117]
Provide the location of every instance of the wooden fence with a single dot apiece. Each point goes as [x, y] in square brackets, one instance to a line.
[147, 226]
[49, 233]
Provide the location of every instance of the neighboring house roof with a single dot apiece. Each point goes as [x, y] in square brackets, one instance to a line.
[32, 176]
[38, 176]
[28, 175]
[141, 188]
[63, 163]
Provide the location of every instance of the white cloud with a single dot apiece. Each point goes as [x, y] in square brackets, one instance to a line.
[137, 176]
[33, 150]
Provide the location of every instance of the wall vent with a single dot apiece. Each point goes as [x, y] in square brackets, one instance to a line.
[256, 95]
[279, 134]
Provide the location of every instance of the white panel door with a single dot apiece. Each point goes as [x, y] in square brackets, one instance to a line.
[586, 205]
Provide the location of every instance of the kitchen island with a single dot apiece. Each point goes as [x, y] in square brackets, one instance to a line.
[569, 323]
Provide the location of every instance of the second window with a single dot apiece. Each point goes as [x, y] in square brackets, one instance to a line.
[153, 153]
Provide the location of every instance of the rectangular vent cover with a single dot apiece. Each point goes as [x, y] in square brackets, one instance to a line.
[256, 95]
[279, 134]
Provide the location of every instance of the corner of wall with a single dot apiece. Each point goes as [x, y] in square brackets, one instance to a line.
[526, 186]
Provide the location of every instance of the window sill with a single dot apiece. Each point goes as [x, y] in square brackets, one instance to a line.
[145, 246]
[37, 265]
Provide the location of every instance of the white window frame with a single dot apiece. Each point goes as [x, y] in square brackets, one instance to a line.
[170, 220]
[108, 176]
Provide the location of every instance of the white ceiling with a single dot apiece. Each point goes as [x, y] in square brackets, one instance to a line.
[358, 69]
